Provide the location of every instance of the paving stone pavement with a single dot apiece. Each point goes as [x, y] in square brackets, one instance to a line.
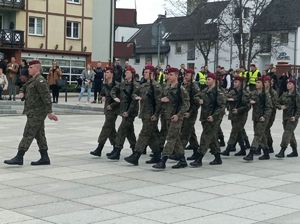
[78, 188]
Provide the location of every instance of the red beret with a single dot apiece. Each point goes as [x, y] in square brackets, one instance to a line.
[130, 69]
[239, 78]
[34, 62]
[170, 70]
[150, 67]
[212, 76]
[109, 68]
[267, 78]
[189, 70]
[292, 81]
[261, 79]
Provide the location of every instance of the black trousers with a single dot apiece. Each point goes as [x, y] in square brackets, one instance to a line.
[55, 93]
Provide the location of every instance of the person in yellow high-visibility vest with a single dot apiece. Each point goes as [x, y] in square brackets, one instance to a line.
[201, 78]
[254, 73]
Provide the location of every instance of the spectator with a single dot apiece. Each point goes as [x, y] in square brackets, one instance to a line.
[98, 82]
[3, 83]
[118, 71]
[24, 75]
[12, 71]
[53, 78]
[283, 80]
[87, 77]
[274, 78]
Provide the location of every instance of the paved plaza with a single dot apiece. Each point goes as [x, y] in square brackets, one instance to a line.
[79, 189]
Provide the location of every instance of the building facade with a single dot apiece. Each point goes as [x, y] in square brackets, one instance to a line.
[48, 30]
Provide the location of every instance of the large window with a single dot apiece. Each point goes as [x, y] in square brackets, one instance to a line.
[36, 26]
[148, 59]
[178, 48]
[191, 51]
[74, 1]
[73, 29]
[284, 38]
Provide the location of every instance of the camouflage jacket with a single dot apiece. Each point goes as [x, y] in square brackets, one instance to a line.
[214, 104]
[178, 104]
[240, 102]
[262, 106]
[105, 92]
[274, 99]
[194, 94]
[292, 102]
[127, 92]
[150, 103]
[37, 96]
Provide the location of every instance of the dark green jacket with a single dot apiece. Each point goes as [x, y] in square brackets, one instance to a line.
[292, 102]
[105, 92]
[194, 94]
[37, 96]
[241, 103]
[262, 106]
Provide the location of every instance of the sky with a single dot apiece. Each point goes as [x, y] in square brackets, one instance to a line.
[147, 10]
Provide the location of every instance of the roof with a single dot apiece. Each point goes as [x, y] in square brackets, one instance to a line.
[201, 23]
[279, 16]
[181, 28]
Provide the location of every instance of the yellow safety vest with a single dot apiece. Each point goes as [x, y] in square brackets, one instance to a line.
[253, 77]
[244, 74]
[161, 77]
[202, 78]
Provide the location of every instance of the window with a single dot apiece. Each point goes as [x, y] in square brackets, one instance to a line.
[73, 29]
[191, 65]
[246, 12]
[74, 1]
[137, 59]
[148, 59]
[191, 51]
[237, 12]
[284, 38]
[36, 26]
[178, 48]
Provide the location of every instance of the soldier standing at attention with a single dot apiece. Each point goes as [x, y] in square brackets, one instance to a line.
[290, 104]
[37, 107]
[176, 102]
[150, 105]
[111, 111]
[125, 93]
[212, 111]
[238, 101]
[262, 109]
[190, 116]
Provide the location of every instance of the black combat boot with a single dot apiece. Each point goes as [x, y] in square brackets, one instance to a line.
[242, 152]
[133, 158]
[194, 156]
[247, 143]
[155, 158]
[271, 150]
[294, 153]
[217, 160]
[198, 160]
[281, 153]
[222, 142]
[174, 157]
[257, 151]
[44, 160]
[227, 151]
[249, 157]
[181, 163]
[161, 164]
[17, 160]
[266, 155]
[115, 155]
[112, 152]
[97, 151]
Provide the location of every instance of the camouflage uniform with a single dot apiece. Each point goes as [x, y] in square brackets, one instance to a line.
[37, 106]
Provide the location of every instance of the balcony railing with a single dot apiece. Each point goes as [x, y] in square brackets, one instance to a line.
[12, 38]
[12, 4]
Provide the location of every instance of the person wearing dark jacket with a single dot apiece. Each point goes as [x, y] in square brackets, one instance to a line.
[98, 82]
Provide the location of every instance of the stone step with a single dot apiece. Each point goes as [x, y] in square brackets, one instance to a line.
[7, 111]
[5, 106]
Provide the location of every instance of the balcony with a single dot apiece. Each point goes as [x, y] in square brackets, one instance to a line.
[12, 4]
[124, 49]
[11, 38]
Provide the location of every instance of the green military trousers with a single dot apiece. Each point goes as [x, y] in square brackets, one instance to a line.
[209, 137]
[237, 127]
[108, 129]
[126, 130]
[187, 129]
[259, 134]
[288, 136]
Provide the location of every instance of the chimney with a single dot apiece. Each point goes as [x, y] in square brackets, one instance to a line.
[160, 16]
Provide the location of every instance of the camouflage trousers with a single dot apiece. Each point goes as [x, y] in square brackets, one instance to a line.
[187, 129]
[149, 136]
[173, 141]
[268, 128]
[237, 128]
[126, 130]
[259, 134]
[209, 138]
[288, 136]
[34, 129]
[108, 130]
[193, 139]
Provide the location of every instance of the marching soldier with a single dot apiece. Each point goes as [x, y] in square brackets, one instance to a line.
[111, 112]
[262, 109]
[150, 105]
[125, 93]
[212, 111]
[190, 116]
[176, 103]
[37, 107]
[238, 101]
[290, 104]
[253, 75]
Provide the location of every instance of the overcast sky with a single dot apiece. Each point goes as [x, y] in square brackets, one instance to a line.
[147, 10]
